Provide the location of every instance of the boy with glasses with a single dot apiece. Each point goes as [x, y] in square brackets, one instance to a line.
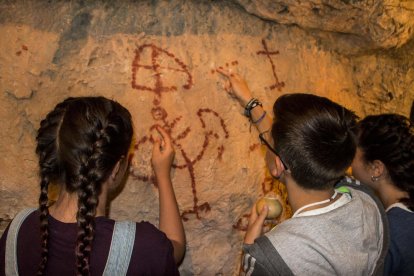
[338, 227]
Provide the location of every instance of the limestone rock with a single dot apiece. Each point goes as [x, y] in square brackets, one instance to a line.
[383, 24]
[358, 53]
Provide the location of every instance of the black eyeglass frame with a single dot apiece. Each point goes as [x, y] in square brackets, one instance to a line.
[266, 143]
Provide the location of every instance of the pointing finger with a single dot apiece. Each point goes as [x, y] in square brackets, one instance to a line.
[223, 71]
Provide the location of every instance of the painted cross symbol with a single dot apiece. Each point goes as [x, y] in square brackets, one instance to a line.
[266, 52]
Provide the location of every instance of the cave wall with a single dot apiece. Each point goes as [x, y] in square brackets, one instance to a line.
[358, 53]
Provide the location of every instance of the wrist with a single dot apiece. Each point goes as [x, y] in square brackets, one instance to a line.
[250, 106]
[160, 176]
[248, 241]
[243, 102]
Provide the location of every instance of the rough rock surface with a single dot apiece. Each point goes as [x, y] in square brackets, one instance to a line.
[381, 23]
[358, 53]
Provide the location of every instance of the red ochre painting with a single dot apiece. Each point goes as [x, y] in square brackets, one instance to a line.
[150, 69]
[277, 84]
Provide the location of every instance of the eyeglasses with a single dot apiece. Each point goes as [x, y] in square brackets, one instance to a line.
[266, 143]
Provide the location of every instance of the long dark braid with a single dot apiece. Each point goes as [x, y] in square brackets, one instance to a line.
[93, 136]
[390, 139]
[48, 163]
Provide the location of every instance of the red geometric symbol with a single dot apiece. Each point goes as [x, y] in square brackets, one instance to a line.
[147, 74]
[268, 53]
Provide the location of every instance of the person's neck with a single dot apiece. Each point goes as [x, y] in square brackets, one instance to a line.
[299, 197]
[66, 206]
[389, 193]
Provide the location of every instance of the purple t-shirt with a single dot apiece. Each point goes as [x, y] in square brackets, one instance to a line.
[152, 253]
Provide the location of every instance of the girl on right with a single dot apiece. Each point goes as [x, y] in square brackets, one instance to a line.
[385, 161]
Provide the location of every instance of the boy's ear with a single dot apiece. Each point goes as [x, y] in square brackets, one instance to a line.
[278, 168]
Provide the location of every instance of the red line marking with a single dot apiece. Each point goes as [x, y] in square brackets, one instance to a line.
[157, 55]
[267, 53]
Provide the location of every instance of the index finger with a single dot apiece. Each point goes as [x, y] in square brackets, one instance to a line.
[223, 71]
[162, 132]
[164, 135]
[253, 215]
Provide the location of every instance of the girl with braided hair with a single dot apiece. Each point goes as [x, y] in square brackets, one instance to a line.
[385, 161]
[83, 147]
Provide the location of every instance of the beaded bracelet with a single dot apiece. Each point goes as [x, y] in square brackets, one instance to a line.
[247, 107]
[250, 105]
[260, 119]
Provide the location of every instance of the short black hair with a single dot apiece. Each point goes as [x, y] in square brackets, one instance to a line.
[315, 137]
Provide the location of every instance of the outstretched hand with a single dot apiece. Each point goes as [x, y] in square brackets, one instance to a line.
[237, 86]
[255, 227]
[162, 154]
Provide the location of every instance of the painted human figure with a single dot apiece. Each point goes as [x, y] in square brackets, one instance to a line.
[164, 62]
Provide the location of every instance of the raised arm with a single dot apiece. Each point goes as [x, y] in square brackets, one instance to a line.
[170, 219]
[253, 109]
[240, 90]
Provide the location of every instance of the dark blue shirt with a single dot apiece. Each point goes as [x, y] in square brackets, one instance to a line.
[400, 258]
